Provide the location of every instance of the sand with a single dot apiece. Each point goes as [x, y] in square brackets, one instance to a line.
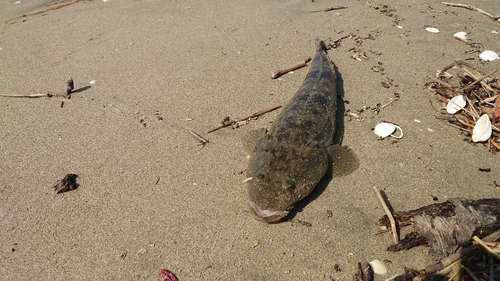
[190, 64]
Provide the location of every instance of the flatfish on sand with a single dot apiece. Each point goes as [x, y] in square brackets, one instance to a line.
[289, 160]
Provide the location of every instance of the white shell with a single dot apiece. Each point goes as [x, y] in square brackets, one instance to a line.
[482, 130]
[384, 129]
[462, 36]
[378, 267]
[456, 104]
[489, 55]
[432, 29]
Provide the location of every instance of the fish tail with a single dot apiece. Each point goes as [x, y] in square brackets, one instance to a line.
[320, 45]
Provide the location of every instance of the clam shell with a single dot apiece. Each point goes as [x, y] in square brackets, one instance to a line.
[462, 36]
[489, 55]
[456, 104]
[378, 267]
[384, 129]
[432, 29]
[482, 130]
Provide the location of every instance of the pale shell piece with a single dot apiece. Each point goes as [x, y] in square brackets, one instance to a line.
[489, 55]
[456, 104]
[378, 267]
[462, 36]
[384, 129]
[432, 29]
[92, 82]
[482, 130]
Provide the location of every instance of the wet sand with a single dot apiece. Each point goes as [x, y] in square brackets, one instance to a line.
[162, 67]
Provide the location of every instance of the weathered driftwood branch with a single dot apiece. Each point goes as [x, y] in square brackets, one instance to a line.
[447, 226]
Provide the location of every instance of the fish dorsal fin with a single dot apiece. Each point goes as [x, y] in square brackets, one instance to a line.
[343, 161]
[252, 138]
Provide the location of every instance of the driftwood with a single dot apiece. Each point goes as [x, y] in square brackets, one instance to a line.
[447, 226]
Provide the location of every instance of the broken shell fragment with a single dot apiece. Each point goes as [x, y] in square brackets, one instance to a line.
[378, 267]
[462, 36]
[384, 129]
[456, 104]
[489, 55]
[482, 130]
[432, 29]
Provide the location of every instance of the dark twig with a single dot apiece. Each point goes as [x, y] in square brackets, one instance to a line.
[255, 115]
[329, 9]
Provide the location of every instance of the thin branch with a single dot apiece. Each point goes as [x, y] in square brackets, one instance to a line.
[470, 7]
[479, 79]
[47, 95]
[285, 70]
[201, 140]
[440, 82]
[389, 215]
[329, 9]
[255, 115]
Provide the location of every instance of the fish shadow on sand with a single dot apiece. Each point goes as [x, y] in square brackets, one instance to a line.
[337, 139]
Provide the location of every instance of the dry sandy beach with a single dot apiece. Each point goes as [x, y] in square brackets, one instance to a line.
[163, 67]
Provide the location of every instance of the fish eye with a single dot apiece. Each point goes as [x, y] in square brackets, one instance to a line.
[288, 184]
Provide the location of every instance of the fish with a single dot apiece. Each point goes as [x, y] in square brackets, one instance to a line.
[288, 161]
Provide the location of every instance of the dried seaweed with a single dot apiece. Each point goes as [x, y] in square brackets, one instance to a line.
[66, 184]
[481, 89]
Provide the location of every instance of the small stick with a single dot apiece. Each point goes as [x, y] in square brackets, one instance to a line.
[462, 62]
[329, 9]
[389, 215]
[389, 103]
[157, 180]
[479, 79]
[55, 7]
[285, 70]
[255, 115]
[115, 107]
[471, 8]
[247, 180]
[494, 143]
[201, 141]
[47, 95]
[440, 82]
[485, 247]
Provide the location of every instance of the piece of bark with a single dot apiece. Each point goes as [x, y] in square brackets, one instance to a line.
[364, 274]
[447, 226]
[66, 184]
[411, 240]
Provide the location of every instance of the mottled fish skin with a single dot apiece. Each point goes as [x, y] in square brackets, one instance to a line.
[290, 160]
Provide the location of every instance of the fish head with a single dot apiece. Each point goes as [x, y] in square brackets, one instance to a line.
[281, 176]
